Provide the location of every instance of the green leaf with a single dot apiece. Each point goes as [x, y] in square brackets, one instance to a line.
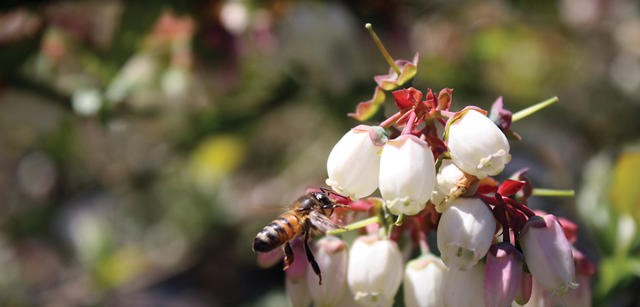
[624, 193]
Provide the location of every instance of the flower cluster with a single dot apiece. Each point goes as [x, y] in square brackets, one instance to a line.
[433, 169]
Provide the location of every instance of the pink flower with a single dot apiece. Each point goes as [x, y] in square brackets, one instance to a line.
[580, 296]
[524, 288]
[295, 281]
[503, 275]
[548, 253]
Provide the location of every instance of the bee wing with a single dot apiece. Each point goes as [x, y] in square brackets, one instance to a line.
[321, 222]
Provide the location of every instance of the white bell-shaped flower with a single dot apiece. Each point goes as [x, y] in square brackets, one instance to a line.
[424, 282]
[297, 292]
[548, 254]
[375, 271]
[407, 174]
[477, 145]
[446, 184]
[354, 161]
[465, 232]
[464, 288]
[331, 256]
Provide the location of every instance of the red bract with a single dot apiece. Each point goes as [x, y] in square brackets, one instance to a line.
[583, 265]
[407, 98]
[527, 189]
[569, 228]
[502, 118]
[509, 212]
[510, 187]
[438, 147]
[445, 97]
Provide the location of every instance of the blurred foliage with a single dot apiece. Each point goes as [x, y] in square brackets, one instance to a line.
[610, 206]
[143, 145]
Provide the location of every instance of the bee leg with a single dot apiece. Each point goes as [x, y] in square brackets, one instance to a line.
[310, 257]
[288, 256]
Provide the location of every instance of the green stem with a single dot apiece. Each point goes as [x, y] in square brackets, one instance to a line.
[355, 226]
[553, 192]
[533, 109]
[382, 49]
[399, 220]
[390, 230]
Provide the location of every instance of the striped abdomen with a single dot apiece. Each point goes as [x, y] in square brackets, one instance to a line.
[281, 230]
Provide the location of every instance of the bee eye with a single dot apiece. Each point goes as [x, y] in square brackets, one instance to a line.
[323, 198]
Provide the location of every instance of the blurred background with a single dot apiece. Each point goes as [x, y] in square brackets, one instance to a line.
[142, 146]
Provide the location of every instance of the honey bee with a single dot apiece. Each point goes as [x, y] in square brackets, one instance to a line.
[308, 215]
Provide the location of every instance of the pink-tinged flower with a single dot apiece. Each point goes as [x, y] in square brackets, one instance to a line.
[524, 288]
[331, 256]
[446, 184]
[540, 297]
[354, 161]
[503, 275]
[297, 292]
[580, 296]
[464, 288]
[269, 259]
[407, 174]
[465, 233]
[476, 144]
[548, 253]
[424, 282]
[375, 271]
[295, 277]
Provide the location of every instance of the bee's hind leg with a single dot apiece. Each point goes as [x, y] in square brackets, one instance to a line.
[310, 257]
[288, 256]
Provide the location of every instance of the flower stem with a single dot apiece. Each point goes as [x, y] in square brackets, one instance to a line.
[391, 120]
[422, 238]
[553, 192]
[410, 123]
[399, 220]
[382, 49]
[355, 225]
[533, 109]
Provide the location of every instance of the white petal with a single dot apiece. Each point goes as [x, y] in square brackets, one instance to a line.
[465, 288]
[407, 174]
[465, 232]
[477, 145]
[374, 271]
[331, 256]
[424, 282]
[353, 164]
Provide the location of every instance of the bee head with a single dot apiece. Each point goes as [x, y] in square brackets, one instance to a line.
[307, 204]
[326, 204]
